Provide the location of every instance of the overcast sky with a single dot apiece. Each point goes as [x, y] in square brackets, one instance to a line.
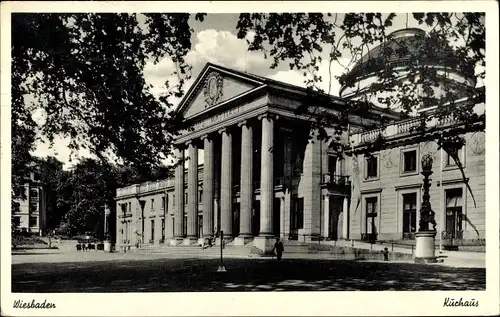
[214, 40]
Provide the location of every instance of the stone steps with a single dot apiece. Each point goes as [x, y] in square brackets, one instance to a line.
[214, 251]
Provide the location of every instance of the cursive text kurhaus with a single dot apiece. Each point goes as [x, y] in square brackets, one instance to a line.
[452, 302]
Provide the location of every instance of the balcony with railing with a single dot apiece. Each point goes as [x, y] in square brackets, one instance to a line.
[331, 178]
[335, 182]
[408, 127]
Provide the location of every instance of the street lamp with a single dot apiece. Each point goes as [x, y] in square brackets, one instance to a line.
[425, 236]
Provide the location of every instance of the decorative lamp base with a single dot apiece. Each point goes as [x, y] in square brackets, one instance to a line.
[221, 268]
[107, 246]
[425, 247]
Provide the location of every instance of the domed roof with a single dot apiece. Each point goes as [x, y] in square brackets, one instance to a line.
[403, 48]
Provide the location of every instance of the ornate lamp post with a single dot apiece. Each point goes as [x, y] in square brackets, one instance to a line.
[426, 236]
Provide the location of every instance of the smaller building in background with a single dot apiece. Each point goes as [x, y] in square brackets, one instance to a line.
[31, 216]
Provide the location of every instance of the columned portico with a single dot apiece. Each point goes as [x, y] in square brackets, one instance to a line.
[226, 199]
[246, 183]
[208, 185]
[192, 203]
[179, 197]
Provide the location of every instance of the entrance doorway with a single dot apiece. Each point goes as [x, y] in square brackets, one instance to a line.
[236, 219]
[335, 209]
[256, 218]
[296, 216]
[371, 220]
[200, 226]
[276, 216]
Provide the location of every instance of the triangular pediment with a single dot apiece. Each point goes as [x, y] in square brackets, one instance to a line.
[215, 86]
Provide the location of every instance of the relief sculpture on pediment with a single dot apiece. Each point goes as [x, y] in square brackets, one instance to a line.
[213, 89]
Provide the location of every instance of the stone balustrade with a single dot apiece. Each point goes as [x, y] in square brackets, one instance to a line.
[406, 127]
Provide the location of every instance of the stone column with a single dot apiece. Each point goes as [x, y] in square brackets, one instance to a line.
[326, 215]
[179, 197]
[267, 176]
[226, 199]
[266, 234]
[208, 186]
[345, 220]
[246, 183]
[192, 212]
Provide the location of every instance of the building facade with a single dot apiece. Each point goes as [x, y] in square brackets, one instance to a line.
[253, 167]
[31, 215]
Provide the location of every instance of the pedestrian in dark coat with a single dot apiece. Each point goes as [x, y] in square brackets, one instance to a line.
[278, 246]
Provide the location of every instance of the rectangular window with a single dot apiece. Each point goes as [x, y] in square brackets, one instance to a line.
[152, 229]
[185, 198]
[33, 206]
[33, 194]
[129, 207]
[450, 161]
[410, 161]
[454, 214]
[163, 229]
[371, 167]
[371, 206]
[33, 221]
[184, 225]
[332, 165]
[173, 200]
[409, 215]
[152, 204]
[17, 221]
[163, 203]
[200, 196]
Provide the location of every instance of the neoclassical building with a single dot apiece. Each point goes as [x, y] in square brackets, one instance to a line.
[254, 168]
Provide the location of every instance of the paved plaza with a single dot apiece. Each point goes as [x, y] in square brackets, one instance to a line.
[52, 271]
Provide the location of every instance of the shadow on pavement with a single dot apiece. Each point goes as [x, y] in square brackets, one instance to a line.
[187, 275]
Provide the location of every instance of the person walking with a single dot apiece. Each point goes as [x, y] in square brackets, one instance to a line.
[278, 246]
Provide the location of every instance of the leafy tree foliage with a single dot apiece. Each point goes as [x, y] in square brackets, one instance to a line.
[52, 178]
[455, 41]
[85, 71]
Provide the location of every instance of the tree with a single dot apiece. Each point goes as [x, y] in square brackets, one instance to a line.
[52, 176]
[85, 72]
[86, 190]
[455, 41]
